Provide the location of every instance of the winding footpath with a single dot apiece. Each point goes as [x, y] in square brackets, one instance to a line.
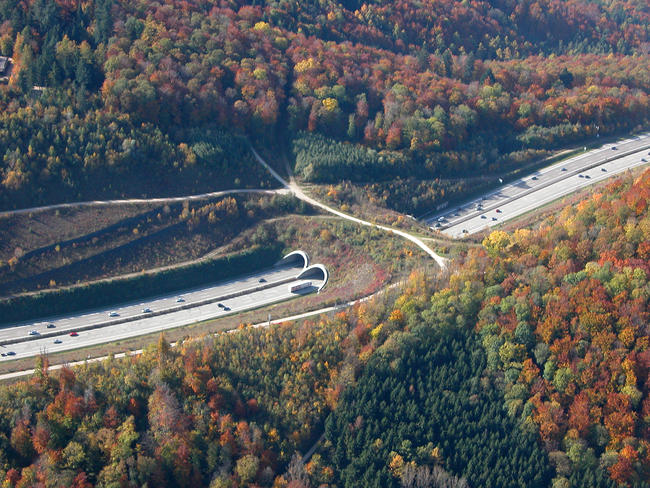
[298, 193]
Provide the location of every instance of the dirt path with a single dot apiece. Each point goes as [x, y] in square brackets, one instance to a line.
[295, 189]
[163, 200]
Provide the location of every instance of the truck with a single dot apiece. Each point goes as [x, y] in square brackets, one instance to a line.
[294, 287]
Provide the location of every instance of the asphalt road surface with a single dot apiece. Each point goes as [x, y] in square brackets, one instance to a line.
[274, 282]
[542, 187]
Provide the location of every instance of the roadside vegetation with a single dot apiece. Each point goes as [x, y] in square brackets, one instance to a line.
[91, 243]
[541, 333]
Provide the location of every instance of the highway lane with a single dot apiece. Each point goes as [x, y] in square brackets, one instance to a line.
[147, 325]
[156, 304]
[480, 220]
[451, 221]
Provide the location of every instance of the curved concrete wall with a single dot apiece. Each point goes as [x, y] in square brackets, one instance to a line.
[315, 271]
[295, 257]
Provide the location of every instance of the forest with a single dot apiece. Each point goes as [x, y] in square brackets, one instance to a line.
[107, 89]
[527, 366]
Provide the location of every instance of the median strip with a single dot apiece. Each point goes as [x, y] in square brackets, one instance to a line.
[166, 311]
[543, 185]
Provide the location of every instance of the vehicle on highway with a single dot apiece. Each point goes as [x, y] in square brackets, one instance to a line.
[534, 178]
[147, 310]
[57, 341]
[261, 280]
[11, 353]
[563, 169]
[34, 332]
[438, 225]
[113, 314]
[220, 305]
[498, 210]
[3, 354]
[74, 334]
[464, 231]
[51, 326]
[587, 176]
[441, 219]
[581, 176]
[226, 308]
[494, 218]
[483, 217]
[603, 169]
[299, 286]
[644, 160]
[180, 300]
[613, 148]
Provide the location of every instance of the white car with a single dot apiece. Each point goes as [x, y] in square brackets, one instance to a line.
[34, 332]
[180, 300]
[113, 314]
[147, 310]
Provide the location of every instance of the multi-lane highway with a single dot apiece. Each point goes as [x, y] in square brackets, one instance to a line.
[169, 311]
[542, 187]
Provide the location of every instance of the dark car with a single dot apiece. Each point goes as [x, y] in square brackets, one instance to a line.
[498, 210]
[261, 280]
[51, 326]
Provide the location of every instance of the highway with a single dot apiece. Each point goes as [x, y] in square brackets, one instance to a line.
[542, 187]
[266, 287]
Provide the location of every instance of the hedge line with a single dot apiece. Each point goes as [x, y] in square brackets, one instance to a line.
[105, 293]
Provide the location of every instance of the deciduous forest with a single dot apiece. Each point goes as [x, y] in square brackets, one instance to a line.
[528, 366]
[109, 90]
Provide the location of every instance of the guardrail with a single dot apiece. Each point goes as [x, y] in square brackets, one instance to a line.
[545, 185]
[140, 316]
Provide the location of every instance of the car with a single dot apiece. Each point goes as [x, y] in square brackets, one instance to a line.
[494, 218]
[51, 326]
[261, 280]
[534, 178]
[113, 314]
[34, 332]
[581, 176]
[563, 169]
[438, 225]
[57, 341]
[147, 310]
[465, 231]
[3, 354]
[226, 308]
[74, 334]
[603, 169]
[11, 353]
[441, 219]
[587, 176]
[614, 148]
[220, 305]
[644, 160]
[180, 300]
[483, 217]
[498, 210]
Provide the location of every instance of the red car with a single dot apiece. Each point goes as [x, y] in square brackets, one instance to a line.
[73, 334]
